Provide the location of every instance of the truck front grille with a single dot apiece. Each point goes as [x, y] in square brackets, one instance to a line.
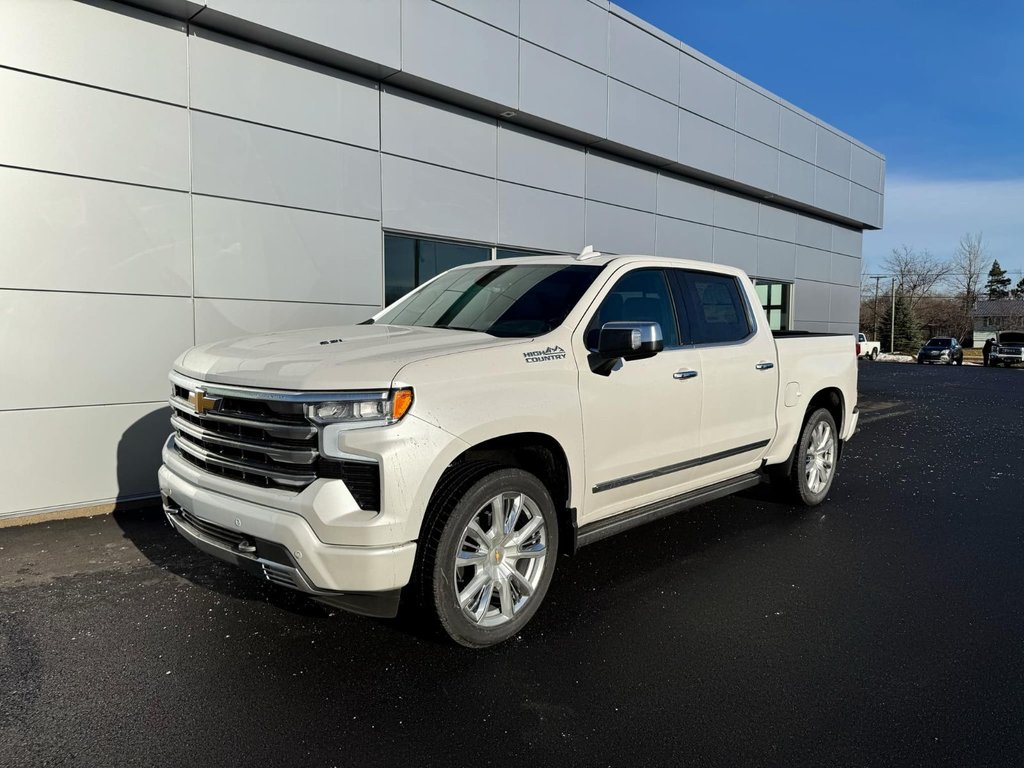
[261, 442]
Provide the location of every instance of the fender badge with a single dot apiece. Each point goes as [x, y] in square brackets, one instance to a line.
[543, 355]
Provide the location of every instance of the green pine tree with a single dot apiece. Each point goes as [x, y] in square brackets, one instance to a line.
[998, 285]
[907, 336]
[1018, 291]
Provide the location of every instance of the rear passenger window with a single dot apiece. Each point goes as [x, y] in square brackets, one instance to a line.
[639, 296]
[717, 311]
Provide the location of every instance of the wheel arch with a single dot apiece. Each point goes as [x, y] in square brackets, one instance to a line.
[832, 400]
[538, 453]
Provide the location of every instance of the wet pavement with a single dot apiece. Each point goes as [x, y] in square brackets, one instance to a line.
[885, 627]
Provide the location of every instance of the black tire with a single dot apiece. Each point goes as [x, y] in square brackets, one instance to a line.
[920, 361]
[451, 511]
[874, 355]
[797, 486]
[960, 361]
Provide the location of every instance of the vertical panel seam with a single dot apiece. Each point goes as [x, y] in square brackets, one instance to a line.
[380, 175]
[191, 163]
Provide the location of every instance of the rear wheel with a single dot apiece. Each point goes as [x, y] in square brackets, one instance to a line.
[814, 466]
[874, 354]
[488, 557]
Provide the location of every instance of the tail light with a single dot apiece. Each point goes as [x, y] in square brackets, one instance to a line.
[858, 349]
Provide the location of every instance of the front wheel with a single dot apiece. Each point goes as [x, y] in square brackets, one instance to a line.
[489, 557]
[817, 453]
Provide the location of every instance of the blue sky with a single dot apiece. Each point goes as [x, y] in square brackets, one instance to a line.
[937, 87]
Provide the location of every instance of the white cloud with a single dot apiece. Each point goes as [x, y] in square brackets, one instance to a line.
[929, 214]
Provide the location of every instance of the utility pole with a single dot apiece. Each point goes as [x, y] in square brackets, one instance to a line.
[892, 325]
[874, 309]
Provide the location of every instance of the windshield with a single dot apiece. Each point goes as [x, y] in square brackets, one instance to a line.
[939, 343]
[508, 300]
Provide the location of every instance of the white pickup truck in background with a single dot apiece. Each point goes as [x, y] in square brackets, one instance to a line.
[447, 450]
[868, 349]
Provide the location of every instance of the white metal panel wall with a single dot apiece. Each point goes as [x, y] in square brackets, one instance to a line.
[110, 267]
[585, 68]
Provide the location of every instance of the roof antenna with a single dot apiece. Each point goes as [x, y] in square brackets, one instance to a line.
[587, 253]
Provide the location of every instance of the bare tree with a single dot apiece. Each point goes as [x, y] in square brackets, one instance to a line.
[916, 272]
[968, 267]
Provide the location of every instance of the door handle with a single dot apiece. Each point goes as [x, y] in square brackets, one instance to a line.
[684, 375]
[764, 365]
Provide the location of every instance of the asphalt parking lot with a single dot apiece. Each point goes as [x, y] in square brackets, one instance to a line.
[883, 628]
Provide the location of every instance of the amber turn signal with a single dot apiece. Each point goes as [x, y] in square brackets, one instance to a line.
[401, 403]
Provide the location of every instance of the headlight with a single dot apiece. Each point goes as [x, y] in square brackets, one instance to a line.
[363, 409]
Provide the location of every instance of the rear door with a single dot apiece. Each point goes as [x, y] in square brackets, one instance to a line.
[739, 365]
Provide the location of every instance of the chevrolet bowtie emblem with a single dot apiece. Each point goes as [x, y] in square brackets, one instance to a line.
[200, 402]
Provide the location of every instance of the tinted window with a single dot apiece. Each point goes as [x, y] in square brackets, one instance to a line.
[640, 296]
[717, 312]
[518, 300]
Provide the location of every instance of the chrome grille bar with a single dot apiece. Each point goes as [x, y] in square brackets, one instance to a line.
[290, 478]
[275, 427]
[275, 451]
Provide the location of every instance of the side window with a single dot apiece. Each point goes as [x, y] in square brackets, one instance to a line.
[642, 295]
[717, 312]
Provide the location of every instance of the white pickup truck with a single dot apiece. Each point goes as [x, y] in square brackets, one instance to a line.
[868, 349]
[450, 448]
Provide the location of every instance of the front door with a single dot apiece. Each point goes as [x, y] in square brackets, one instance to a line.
[641, 423]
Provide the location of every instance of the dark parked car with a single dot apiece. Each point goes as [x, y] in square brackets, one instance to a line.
[941, 349]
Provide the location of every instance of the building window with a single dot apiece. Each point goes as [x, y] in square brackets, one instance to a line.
[411, 261]
[775, 298]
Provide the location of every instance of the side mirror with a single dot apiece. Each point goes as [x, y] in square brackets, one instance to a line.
[626, 341]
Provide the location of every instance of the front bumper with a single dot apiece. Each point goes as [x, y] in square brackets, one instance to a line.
[287, 550]
[996, 357]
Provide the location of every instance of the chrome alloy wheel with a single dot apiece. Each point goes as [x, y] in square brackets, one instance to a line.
[500, 559]
[821, 457]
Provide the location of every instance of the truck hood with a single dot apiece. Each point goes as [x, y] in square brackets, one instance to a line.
[325, 359]
[1011, 338]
